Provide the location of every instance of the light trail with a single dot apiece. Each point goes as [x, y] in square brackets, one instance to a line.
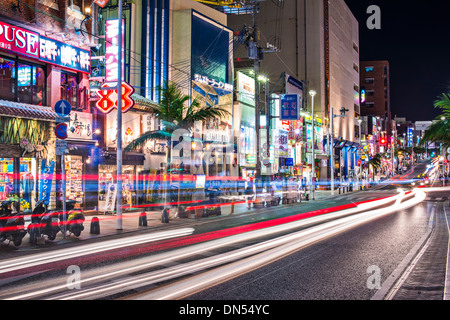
[11, 265]
[347, 220]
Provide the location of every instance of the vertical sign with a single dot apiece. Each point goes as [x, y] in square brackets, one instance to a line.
[46, 180]
[112, 50]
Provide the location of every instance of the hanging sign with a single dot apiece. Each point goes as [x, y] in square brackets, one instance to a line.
[290, 107]
[112, 50]
[46, 177]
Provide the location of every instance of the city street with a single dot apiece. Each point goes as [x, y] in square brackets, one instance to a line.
[215, 154]
[267, 254]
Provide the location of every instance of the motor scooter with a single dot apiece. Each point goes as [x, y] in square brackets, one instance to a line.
[12, 225]
[75, 219]
[43, 223]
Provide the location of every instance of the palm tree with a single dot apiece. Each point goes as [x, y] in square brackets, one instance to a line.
[175, 112]
[439, 130]
[375, 163]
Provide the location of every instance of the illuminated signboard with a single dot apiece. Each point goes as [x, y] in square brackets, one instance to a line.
[64, 55]
[112, 50]
[109, 98]
[213, 82]
[19, 40]
[290, 107]
[31, 44]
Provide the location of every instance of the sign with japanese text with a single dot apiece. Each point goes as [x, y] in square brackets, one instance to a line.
[46, 177]
[31, 44]
[112, 50]
[19, 40]
[81, 124]
[64, 55]
[290, 107]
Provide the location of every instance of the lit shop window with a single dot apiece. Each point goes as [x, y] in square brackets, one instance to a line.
[7, 79]
[22, 82]
[69, 88]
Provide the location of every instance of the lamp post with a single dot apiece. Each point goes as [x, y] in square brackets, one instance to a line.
[312, 93]
[332, 116]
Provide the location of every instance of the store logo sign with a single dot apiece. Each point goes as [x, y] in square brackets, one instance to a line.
[19, 40]
[109, 98]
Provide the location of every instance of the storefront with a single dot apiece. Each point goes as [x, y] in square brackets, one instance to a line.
[36, 72]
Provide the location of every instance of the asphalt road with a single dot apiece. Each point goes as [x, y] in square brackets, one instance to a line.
[338, 268]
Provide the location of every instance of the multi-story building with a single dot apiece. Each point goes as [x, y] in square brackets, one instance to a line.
[375, 91]
[45, 50]
[317, 43]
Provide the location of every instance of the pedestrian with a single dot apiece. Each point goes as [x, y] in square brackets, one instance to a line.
[249, 193]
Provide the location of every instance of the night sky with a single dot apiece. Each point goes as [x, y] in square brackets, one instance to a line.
[415, 39]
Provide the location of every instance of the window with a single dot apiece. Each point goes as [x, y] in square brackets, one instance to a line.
[69, 88]
[22, 82]
[369, 80]
[7, 79]
[369, 69]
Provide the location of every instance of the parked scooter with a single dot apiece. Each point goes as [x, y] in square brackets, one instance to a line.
[43, 223]
[74, 221]
[12, 225]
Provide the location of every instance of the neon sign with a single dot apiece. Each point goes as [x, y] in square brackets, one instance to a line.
[19, 40]
[64, 55]
[112, 50]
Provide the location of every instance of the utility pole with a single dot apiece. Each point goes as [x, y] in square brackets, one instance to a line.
[119, 125]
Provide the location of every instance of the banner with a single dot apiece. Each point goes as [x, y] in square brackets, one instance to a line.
[45, 184]
[111, 196]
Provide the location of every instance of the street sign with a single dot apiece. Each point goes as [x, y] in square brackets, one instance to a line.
[61, 131]
[63, 108]
[60, 119]
[60, 147]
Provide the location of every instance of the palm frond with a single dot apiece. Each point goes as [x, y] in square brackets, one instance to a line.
[142, 140]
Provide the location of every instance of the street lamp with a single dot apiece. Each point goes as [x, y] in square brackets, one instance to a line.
[332, 116]
[312, 93]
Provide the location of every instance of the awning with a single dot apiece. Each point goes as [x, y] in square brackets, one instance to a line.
[24, 110]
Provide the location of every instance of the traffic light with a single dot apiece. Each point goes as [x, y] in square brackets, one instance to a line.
[383, 141]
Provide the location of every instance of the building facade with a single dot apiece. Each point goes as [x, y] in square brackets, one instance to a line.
[44, 57]
[375, 91]
[316, 42]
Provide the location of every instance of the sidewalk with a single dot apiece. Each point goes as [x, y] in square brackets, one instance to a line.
[130, 220]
